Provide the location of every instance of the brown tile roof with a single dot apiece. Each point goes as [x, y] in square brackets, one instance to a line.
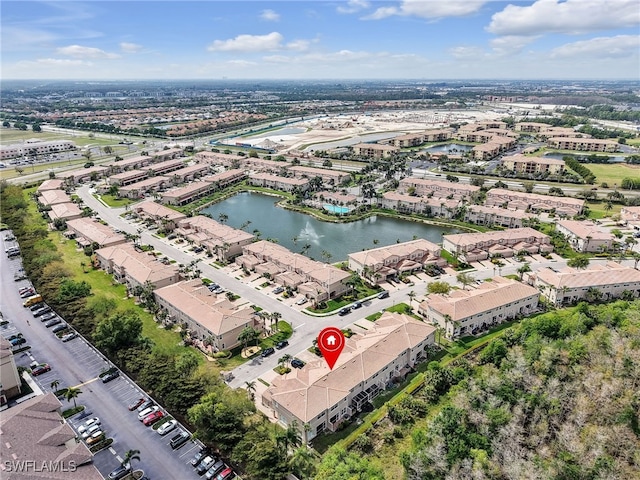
[595, 276]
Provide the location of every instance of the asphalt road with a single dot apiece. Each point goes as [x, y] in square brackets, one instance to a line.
[76, 363]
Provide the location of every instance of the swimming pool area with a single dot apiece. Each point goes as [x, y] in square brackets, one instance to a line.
[336, 209]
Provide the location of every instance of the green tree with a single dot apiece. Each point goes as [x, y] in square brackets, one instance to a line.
[71, 290]
[55, 384]
[438, 287]
[71, 394]
[465, 279]
[524, 268]
[579, 262]
[303, 462]
[338, 464]
[119, 331]
[129, 456]
[248, 335]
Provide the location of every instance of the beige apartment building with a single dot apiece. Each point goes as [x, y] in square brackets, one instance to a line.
[133, 163]
[316, 280]
[142, 188]
[53, 197]
[374, 151]
[128, 177]
[522, 164]
[331, 177]
[378, 264]
[569, 285]
[165, 167]
[83, 175]
[11, 384]
[583, 144]
[425, 187]
[319, 399]
[286, 184]
[134, 268]
[207, 316]
[495, 216]
[534, 202]
[494, 147]
[222, 241]
[631, 215]
[87, 231]
[51, 184]
[473, 247]
[416, 139]
[64, 211]
[585, 236]
[164, 217]
[187, 174]
[429, 206]
[468, 312]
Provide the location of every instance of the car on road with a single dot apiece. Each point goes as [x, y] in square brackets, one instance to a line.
[281, 344]
[152, 418]
[40, 369]
[60, 327]
[166, 427]
[69, 336]
[344, 311]
[109, 375]
[278, 290]
[205, 464]
[267, 351]
[384, 294]
[119, 473]
[356, 305]
[297, 363]
[96, 427]
[147, 411]
[92, 421]
[52, 322]
[133, 405]
[180, 439]
[198, 457]
[215, 469]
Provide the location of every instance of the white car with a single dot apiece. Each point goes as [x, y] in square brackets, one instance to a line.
[91, 430]
[166, 427]
[147, 411]
[92, 421]
[301, 301]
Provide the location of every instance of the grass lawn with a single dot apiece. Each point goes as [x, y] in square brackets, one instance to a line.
[613, 173]
[399, 308]
[597, 209]
[113, 201]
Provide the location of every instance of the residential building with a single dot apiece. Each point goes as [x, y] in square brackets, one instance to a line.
[225, 178]
[51, 184]
[164, 217]
[128, 177]
[472, 247]
[207, 316]
[495, 216]
[167, 154]
[132, 163]
[531, 127]
[37, 443]
[429, 206]
[380, 263]
[319, 399]
[189, 173]
[415, 139]
[165, 167]
[286, 184]
[83, 175]
[87, 231]
[570, 285]
[53, 197]
[316, 280]
[143, 187]
[335, 198]
[583, 144]
[64, 211]
[330, 177]
[467, 312]
[534, 202]
[220, 240]
[34, 148]
[188, 193]
[425, 187]
[585, 236]
[136, 268]
[374, 150]
[11, 384]
[523, 165]
[494, 147]
[631, 215]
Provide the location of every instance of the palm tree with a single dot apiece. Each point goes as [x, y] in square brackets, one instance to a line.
[275, 318]
[223, 217]
[465, 279]
[71, 394]
[128, 457]
[251, 389]
[54, 385]
[525, 268]
[411, 296]
[303, 462]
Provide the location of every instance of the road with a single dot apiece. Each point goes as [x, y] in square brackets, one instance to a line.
[77, 363]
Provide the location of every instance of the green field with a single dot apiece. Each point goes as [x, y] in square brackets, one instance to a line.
[613, 173]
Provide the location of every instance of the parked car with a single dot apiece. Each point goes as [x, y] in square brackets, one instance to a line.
[41, 311]
[40, 369]
[356, 305]
[133, 405]
[344, 311]
[180, 439]
[297, 363]
[52, 322]
[226, 474]
[109, 375]
[215, 469]
[19, 276]
[88, 423]
[95, 438]
[96, 427]
[47, 316]
[301, 301]
[147, 411]
[166, 427]
[119, 473]
[198, 457]
[280, 345]
[145, 405]
[152, 418]
[60, 327]
[384, 294]
[27, 292]
[278, 290]
[18, 341]
[23, 290]
[267, 351]
[205, 464]
[69, 336]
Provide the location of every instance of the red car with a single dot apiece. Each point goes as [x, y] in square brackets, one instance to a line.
[152, 418]
[225, 474]
[136, 404]
[39, 369]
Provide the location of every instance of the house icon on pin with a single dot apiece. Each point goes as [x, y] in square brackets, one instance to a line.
[331, 341]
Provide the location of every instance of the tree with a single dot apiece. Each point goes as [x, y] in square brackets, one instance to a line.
[71, 394]
[303, 462]
[251, 389]
[223, 217]
[465, 279]
[128, 457]
[338, 464]
[579, 262]
[119, 331]
[248, 335]
[525, 268]
[412, 295]
[439, 287]
[55, 385]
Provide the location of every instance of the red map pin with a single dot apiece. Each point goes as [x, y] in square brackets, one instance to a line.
[331, 342]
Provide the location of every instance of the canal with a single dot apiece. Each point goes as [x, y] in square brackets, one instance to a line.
[295, 230]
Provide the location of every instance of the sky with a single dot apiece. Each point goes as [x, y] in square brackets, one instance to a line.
[315, 39]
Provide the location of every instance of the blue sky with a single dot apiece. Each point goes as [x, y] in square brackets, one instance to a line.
[298, 39]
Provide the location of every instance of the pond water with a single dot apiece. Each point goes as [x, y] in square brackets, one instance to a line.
[449, 148]
[294, 230]
[612, 158]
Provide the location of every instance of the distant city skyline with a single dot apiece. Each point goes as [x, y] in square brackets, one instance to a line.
[354, 39]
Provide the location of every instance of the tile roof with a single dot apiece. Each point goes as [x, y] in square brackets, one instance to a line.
[610, 273]
[585, 229]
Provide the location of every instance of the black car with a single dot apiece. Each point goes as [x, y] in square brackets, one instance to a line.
[282, 344]
[59, 328]
[198, 457]
[110, 375]
[120, 472]
[18, 341]
[52, 322]
[357, 304]
[215, 469]
[267, 351]
[180, 439]
[343, 311]
[384, 294]
[297, 363]
[47, 316]
[41, 311]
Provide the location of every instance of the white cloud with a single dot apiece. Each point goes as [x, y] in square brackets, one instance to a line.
[79, 51]
[59, 62]
[570, 16]
[511, 44]
[430, 10]
[466, 52]
[248, 43]
[299, 45]
[269, 16]
[127, 47]
[600, 47]
[353, 6]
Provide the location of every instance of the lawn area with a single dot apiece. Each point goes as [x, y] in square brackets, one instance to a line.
[597, 210]
[613, 173]
[113, 201]
[399, 308]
